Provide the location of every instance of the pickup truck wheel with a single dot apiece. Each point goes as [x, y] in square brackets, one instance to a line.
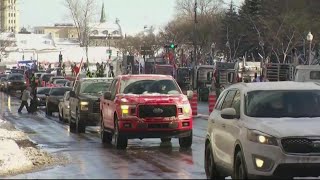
[106, 137]
[209, 164]
[186, 142]
[80, 127]
[164, 140]
[121, 142]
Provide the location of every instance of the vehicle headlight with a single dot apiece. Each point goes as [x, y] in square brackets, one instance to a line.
[68, 107]
[38, 99]
[84, 106]
[128, 110]
[9, 83]
[262, 138]
[25, 82]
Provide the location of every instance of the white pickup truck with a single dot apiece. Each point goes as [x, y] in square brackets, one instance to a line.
[307, 73]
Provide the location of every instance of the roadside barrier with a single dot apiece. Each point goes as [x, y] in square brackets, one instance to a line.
[194, 103]
[212, 101]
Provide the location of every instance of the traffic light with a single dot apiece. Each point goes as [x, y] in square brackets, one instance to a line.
[171, 46]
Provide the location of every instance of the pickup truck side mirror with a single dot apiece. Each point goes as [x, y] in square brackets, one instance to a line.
[72, 94]
[107, 95]
[189, 94]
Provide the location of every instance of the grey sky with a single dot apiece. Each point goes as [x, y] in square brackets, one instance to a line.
[133, 14]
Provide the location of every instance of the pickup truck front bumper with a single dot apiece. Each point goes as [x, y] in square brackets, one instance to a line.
[90, 119]
[134, 129]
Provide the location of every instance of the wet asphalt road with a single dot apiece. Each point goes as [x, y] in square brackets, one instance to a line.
[89, 158]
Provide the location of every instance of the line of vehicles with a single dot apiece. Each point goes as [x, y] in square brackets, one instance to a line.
[256, 130]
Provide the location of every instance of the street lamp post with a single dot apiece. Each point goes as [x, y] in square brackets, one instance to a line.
[310, 38]
[213, 46]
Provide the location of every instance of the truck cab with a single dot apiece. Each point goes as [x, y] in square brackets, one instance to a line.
[307, 73]
[85, 103]
[145, 106]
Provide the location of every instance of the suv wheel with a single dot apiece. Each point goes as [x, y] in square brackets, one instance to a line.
[240, 171]
[80, 127]
[121, 142]
[106, 137]
[164, 140]
[209, 164]
[186, 142]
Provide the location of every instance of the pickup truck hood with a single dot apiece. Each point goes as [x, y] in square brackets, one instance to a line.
[286, 127]
[152, 99]
[90, 96]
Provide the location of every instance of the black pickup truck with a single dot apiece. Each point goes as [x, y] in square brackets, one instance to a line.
[85, 103]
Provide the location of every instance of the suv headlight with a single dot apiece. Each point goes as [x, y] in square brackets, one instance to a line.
[262, 138]
[84, 106]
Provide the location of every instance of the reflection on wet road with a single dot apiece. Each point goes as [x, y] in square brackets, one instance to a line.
[89, 158]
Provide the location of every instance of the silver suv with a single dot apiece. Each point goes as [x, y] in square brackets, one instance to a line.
[269, 129]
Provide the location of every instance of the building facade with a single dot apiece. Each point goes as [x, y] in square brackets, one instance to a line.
[63, 31]
[102, 33]
[9, 16]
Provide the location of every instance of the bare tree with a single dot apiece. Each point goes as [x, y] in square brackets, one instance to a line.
[82, 12]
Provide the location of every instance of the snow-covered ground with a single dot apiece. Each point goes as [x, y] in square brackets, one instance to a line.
[18, 154]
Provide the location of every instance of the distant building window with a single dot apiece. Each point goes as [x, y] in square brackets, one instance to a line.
[23, 42]
[95, 32]
[115, 32]
[105, 32]
[47, 42]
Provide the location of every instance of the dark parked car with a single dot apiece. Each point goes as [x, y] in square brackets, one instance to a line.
[44, 79]
[2, 83]
[53, 99]
[41, 95]
[14, 82]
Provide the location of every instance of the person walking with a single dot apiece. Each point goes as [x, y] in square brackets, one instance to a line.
[24, 100]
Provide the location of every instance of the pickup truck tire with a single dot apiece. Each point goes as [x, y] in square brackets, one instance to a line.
[186, 142]
[106, 137]
[209, 164]
[121, 142]
[80, 127]
[164, 140]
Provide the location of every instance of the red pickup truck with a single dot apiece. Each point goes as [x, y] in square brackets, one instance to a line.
[145, 106]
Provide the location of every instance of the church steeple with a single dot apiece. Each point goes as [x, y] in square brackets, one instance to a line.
[103, 15]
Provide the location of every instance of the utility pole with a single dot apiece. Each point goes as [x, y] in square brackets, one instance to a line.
[195, 61]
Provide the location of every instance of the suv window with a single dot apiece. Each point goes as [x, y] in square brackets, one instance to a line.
[236, 102]
[228, 100]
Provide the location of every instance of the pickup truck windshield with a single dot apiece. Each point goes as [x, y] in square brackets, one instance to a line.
[16, 78]
[149, 86]
[94, 87]
[278, 104]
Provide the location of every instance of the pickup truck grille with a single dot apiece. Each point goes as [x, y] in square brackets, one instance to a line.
[96, 107]
[150, 111]
[301, 145]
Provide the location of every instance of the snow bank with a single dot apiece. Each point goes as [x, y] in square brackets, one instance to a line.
[12, 158]
[18, 154]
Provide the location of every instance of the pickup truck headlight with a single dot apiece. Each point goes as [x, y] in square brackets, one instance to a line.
[84, 106]
[261, 138]
[184, 110]
[128, 110]
[9, 83]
